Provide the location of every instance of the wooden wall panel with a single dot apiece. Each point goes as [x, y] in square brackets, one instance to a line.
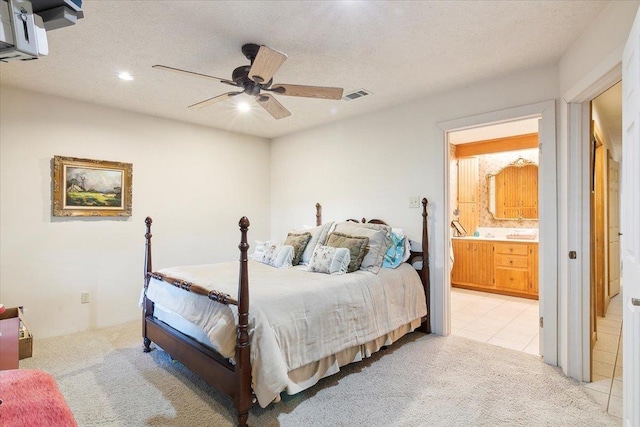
[468, 193]
[468, 180]
[498, 145]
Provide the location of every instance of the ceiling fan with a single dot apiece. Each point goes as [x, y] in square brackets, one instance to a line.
[256, 78]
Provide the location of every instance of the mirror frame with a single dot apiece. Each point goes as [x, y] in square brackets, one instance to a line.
[491, 180]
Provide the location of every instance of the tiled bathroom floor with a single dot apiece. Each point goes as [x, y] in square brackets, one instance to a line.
[501, 320]
[606, 385]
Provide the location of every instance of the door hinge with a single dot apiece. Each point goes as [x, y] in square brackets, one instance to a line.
[542, 322]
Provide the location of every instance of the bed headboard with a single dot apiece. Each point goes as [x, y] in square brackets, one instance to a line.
[415, 256]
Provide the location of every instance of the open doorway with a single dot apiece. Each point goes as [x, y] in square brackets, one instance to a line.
[493, 199]
[548, 261]
[606, 296]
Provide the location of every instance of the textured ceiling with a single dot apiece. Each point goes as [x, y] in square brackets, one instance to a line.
[399, 51]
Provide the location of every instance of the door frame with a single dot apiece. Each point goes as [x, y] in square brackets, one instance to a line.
[547, 203]
[574, 159]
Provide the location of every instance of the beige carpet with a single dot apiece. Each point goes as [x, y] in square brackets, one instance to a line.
[420, 381]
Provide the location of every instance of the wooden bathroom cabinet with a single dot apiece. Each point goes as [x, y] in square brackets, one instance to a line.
[503, 267]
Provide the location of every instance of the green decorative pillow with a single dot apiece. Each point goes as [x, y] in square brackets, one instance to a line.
[299, 241]
[357, 247]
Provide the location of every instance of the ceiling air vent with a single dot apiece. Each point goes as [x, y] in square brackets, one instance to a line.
[356, 94]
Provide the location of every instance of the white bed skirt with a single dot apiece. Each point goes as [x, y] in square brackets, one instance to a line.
[305, 376]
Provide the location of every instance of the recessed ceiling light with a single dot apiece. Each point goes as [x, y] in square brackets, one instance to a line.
[244, 107]
[125, 76]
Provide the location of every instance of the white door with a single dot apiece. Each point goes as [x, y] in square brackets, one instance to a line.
[631, 225]
[613, 198]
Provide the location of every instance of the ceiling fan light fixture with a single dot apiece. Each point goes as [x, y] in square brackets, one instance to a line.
[244, 107]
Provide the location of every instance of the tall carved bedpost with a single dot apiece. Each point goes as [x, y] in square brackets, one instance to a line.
[243, 362]
[318, 214]
[424, 273]
[147, 305]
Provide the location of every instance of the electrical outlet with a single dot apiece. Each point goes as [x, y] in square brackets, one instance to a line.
[84, 297]
[414, 201]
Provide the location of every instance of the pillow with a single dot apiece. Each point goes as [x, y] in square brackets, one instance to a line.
[278, 256]
[327, 259]
[318, 238]
[398, 252]
[407, 250]
[357, 248]
[299, 242]
[386, 228]
[416, 247]
[379, 242]
[258, 251]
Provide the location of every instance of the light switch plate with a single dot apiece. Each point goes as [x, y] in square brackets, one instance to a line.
[414, 201]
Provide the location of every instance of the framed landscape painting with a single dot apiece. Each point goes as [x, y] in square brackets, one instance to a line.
[85, 187]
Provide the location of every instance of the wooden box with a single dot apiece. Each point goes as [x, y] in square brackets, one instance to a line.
[26, 338]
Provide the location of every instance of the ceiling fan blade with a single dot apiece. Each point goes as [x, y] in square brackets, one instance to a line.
[265, 64]
[272, 105]
[214, 100]
[191, 73]
[308, 91]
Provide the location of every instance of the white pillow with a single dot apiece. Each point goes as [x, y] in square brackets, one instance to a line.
[278, 256]
[258, 251]
[318, 238]
[330, 260]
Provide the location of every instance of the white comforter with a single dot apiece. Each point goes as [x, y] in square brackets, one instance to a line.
[295, 317]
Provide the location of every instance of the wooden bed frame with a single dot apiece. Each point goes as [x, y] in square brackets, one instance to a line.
[216, 370]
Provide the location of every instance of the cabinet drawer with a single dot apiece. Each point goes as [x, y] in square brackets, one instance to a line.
[511, 248]
[512, 280]
[517, 261]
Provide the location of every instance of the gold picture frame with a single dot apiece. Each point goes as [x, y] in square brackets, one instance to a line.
[86, 187]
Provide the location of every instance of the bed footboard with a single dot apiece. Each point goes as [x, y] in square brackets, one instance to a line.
[233, 380]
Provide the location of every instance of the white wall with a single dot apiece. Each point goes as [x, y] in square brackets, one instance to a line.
[195, 182]
[599, 45]
[370, 165]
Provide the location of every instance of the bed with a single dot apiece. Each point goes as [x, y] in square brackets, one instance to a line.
[302, 326]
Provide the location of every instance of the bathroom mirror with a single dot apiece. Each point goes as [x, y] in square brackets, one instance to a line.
[513, 191]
